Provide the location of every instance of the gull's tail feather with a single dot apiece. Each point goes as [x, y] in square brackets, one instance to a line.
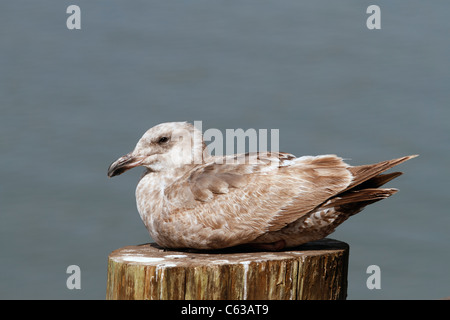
[370, 174]
[365, 187]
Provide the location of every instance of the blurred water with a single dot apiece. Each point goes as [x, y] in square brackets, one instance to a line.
[71, 102]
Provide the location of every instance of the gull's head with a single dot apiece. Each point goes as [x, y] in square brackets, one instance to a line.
[165, 146]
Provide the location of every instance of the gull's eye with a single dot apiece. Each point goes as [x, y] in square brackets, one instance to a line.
[163, 140]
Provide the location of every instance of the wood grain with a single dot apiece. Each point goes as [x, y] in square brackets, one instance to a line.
[316, 270]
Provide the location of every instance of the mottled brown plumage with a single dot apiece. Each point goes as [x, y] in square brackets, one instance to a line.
[189, 199]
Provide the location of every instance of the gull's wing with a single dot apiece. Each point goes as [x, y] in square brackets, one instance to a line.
[240, 202]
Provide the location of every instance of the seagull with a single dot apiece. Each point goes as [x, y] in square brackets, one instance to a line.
[269, 201]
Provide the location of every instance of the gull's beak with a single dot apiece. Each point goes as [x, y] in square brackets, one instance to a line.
[123, 164]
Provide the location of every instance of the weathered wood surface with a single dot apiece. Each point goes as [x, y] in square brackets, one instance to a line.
[317, 270]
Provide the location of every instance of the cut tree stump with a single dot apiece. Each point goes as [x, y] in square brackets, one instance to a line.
[316, 270]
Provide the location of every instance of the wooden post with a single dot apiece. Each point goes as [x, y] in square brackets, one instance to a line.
[316, 270]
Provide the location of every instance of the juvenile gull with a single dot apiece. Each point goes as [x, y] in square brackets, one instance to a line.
[189, 199]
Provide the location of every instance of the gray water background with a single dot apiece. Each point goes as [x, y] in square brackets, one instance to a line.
[71, 102]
